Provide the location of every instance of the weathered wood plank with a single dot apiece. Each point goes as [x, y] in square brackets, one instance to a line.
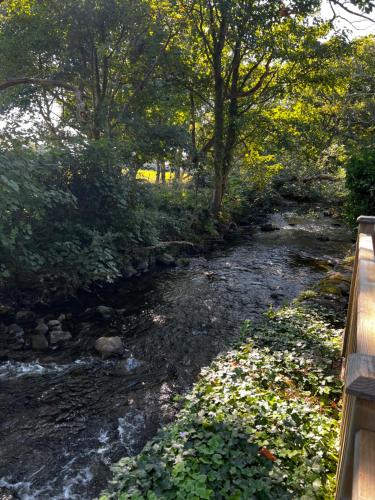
[366, 219]
[366, 296]
[364, 466]
[360, 376]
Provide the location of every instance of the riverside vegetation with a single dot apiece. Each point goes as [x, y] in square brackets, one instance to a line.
[133, 134]
[261, 422]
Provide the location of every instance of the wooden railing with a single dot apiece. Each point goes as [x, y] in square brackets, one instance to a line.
[356, 470]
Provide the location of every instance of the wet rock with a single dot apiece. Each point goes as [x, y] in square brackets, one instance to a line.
[329, 288]
[15, 330]
[3, 329]
[16, 338]
[41, 328]
[59, 336]
[39, 343]
[25, 317]
[322, 237]
[89, 313]
[109, 346]
[328, 213]
[165, 260]
[54, 323]
[61, 318]
[105, 312]
[85, 328]
[339, 281]
[6, 313]
[268, 227]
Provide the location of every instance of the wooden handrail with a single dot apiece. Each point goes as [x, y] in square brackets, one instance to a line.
[364, 459]
[356, 469]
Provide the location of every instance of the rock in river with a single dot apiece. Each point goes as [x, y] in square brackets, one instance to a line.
[166, 260]
[25, 317]
[41, 328]
[15, 336]
[59, 336]
[39, 343]
[54, 323]
[109, 346]
[268, 227]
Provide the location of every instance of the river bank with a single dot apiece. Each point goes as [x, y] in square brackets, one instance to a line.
[261, 422]
[69, 415]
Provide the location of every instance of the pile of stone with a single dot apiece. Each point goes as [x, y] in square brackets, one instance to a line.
[26, 330]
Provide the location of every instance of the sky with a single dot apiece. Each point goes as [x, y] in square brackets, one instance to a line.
[359, 27]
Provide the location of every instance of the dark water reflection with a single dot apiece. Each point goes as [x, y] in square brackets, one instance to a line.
[65, 419]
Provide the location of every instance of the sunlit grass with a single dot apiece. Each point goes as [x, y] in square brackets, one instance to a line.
[150, 176]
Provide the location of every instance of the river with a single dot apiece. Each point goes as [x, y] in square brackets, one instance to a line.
[67, 416]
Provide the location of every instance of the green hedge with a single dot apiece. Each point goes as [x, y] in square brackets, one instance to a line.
[360, 180]
[262, 421]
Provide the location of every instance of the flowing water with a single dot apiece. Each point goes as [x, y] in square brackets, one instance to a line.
[67, 416]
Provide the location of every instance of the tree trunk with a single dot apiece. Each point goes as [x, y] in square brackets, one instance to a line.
[218, 132]
[232, 128]
[163, 173]
[158, 173]
[194, 153]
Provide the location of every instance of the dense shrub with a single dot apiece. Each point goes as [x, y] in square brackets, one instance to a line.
[75, 217]
[360, 180]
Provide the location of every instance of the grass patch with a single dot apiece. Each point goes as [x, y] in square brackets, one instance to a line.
[150, 176]
[262, 422]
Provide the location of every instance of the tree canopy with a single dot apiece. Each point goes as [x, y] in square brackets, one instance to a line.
[228, 98]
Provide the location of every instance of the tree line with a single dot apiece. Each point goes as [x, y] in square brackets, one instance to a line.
[238, 94]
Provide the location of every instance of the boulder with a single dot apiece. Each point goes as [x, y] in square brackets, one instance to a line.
[6, 313]
[109, 346]
[105, 312]
[25, 317]
[54, 323]
[268, 227]
[16, 338]
[84, 328]
[165, 260]
[59, 336]
[41, 328]
[39, 343]
[15, 330]
[3, 329]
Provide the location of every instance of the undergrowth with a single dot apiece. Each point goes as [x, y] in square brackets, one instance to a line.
[262, 421]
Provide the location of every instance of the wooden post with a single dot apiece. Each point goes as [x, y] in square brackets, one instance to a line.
[364, 466]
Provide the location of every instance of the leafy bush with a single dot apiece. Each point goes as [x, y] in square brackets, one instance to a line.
[262, 422]
[360, 180]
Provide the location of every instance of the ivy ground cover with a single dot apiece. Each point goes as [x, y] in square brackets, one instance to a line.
[262, 421]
